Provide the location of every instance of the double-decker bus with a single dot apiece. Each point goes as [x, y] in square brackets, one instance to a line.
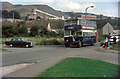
[79, 32]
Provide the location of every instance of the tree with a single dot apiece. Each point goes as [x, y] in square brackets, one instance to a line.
[23, 31]
[15, 30]
[22, 28]
[14, 14]
[43, 31]
[60, 33]
[34, 31]
[5, 14]
[60, 24]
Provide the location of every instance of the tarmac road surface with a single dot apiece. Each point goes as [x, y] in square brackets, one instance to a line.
[30, 55]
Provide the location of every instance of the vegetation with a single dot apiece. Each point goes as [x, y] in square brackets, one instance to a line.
[34, 31]
[11, 14]
[3, 49]
[100, 23]
[38, 28]
[11, 31]
[81, 67]
[115, 47]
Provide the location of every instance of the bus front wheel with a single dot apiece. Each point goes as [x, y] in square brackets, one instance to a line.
[80, 44]
[66, 45]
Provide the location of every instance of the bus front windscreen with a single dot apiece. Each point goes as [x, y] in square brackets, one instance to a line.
[66, 33]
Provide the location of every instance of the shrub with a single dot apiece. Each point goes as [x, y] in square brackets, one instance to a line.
[34, 31]
[7, 31]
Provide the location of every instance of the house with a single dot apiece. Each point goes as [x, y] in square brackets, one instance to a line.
[56, 30]
[107, 29]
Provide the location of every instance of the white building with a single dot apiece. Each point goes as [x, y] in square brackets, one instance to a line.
[49, 28]
[108, 29]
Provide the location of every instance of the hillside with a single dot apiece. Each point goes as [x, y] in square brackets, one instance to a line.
[26, 9]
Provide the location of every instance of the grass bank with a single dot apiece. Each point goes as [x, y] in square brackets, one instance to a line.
[81, 67]
[42, 40]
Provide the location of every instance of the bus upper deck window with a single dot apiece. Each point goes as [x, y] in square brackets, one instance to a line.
[74, 22]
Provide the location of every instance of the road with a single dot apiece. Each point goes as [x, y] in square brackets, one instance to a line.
[30, 55]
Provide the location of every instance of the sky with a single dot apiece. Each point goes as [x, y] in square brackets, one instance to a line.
[105, 7]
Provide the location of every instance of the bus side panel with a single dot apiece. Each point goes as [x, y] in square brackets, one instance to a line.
[87, 40]
[93, 38]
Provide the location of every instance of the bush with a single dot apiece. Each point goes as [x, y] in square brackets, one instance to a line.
[60, 34]
[38, 36]
[7, 31]
[34, 31]
[51, 34]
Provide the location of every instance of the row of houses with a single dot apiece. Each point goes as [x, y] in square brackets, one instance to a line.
[12, 20]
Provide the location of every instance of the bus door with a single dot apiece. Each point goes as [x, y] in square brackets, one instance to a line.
[78, 35]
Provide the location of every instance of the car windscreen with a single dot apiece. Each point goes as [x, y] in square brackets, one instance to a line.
[13, 39]
[23, 39]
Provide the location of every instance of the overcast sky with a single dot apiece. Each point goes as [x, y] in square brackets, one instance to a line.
[105, 7]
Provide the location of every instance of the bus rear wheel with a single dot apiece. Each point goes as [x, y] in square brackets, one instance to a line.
[80, 44]
[92, 43]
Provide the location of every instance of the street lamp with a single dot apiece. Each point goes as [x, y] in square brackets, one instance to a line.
[86, 10]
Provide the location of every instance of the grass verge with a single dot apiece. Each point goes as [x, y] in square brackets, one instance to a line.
[81, 67]
[115, 47]
[2, 49]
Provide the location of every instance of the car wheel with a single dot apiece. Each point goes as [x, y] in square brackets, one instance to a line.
[80, 44]
[11, 45]
[27, 46]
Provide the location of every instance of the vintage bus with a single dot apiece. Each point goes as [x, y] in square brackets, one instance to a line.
[79, 32]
